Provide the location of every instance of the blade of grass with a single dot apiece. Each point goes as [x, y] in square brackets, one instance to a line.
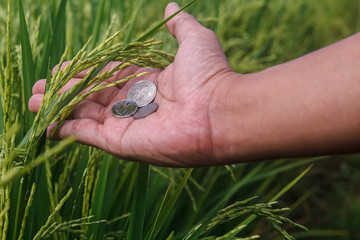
[96, 28]
[54, 43]
[49, 13]
[58, 40]
[19, 208]
[38, 213]
[43, 59]
[2, 79]
[137, 217]
[117, 196]
[124, 196]
[284, 168]
[279, 194]
[291, 184]
[75, 34]
[157, 27]
[78, 181]
[166, 210]
[244, 180]
[196, 231]
[210, 182]
[130, 30]
[97, 207]
[1, 116]
[26, 211]
[27, 62]
[51, 217]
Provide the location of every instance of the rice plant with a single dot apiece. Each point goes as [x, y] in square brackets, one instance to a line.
[64, 190]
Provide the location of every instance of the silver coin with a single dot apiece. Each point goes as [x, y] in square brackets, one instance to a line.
[124, 108]
[146, 110]
[142, 92]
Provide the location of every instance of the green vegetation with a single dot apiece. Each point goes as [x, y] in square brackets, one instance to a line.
[64, 190]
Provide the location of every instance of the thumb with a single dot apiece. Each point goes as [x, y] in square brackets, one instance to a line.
[183, 24]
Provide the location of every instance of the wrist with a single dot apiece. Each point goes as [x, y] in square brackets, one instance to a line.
[231, 111]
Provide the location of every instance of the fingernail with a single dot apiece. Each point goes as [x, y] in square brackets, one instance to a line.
[175, 4]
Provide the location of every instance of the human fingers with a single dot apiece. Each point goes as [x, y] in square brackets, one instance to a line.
[199, 47]
[107, 136]
[35, 102]
[90, 110]
[183, 24]
[39, 87]
[82, 74]
[87, 131]
[84, 109]
[102, 97]
[199, 59]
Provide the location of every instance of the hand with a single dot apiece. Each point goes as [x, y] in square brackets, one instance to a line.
[181, 132]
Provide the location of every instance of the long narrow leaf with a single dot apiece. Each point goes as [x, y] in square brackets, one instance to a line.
[279, 194]
[96, 29]
[164, 212]
[130, 30]
[157, 27]
[291, 184]
[54, 43]
[137, 217]
[98, 206]
[27, 62]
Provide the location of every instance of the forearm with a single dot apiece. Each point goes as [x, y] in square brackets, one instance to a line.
[309, 106]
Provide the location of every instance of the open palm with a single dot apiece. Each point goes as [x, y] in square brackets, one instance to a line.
[180, 133]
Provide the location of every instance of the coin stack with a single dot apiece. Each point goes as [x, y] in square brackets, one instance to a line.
[139, 101]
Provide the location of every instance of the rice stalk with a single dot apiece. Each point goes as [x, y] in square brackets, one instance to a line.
[17, 172]
[238, 209]
[45, 228]
[53, 201]
[6, 103]
[89, 186]
[26, 212]
[281, 192]
[71, 226]
[65, 176]
[56, 107]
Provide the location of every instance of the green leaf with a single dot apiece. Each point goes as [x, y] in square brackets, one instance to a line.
[196, 231]
[98, 206]
[27, 62]
[137, 217]
[96, 28]
[166, 210]
[130, 30]
[157, 27]
[291, 184]
[279, 194]
[55, 40]
[124, 184]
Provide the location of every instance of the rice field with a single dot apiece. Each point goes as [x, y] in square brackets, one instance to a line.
[65, 190]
